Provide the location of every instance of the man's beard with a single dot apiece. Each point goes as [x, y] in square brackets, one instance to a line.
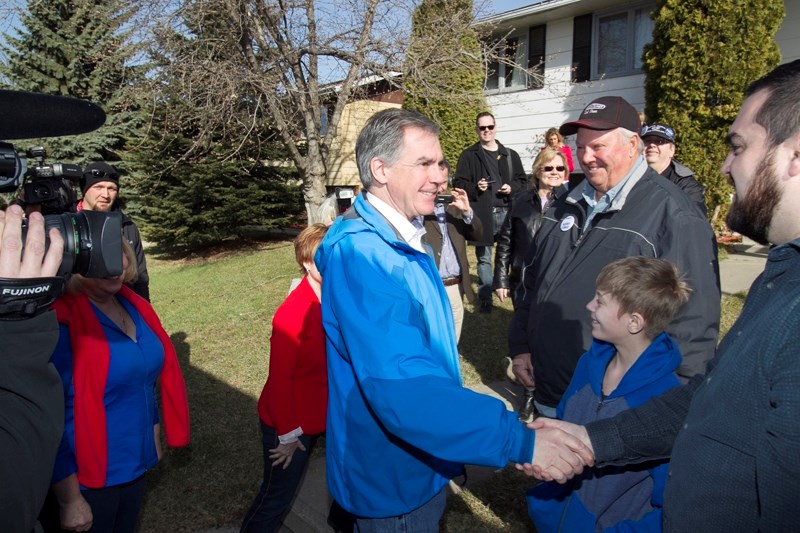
[752, 215]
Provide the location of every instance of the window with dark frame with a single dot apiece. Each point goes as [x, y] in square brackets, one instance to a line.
[610, 44]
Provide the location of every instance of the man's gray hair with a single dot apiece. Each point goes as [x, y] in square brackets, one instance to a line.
[382, 137]
[626, 137]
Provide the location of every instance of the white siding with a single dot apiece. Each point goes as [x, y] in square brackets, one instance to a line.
[523, 116]
[788, 37]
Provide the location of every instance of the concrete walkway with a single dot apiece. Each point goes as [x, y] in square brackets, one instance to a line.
[744, 263]
[310, 509]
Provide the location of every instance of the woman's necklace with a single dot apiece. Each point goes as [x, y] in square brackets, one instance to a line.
[121, 312]
[118, 314]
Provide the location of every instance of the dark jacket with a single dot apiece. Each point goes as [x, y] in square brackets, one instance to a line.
[516, 234]
[459, 232]
[650, 217]
[31, 418]
[472, 167]
[733, 434]
[131, 233]
[684, 178]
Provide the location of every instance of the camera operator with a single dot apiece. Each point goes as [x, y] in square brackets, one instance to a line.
[31, 395]
[100, 188]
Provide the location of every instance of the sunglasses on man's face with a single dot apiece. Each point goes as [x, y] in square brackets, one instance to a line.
[484, 128]
[549, 168]
[658, 141]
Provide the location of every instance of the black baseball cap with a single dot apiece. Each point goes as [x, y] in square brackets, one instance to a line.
[605, 113]
[658, 130]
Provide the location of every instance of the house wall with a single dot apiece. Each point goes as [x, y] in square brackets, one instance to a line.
[342, 170]
[523, 116]
[788, 37]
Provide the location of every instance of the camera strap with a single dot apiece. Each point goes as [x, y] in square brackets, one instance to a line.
[28, 297]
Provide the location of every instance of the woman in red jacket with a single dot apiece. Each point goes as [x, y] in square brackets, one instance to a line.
[294, 402]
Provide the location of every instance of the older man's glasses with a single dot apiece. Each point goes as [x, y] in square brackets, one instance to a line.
[549, 168]
[490, 127]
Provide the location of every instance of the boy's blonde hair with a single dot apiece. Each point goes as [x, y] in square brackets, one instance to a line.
[645, 285]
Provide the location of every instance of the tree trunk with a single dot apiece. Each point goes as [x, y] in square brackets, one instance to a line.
[315, 194]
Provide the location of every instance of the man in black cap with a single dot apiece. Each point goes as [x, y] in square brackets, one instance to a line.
[623, 208]
[659, 151]
[100, 188]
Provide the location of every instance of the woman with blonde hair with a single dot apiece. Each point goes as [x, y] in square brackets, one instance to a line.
[554, 139]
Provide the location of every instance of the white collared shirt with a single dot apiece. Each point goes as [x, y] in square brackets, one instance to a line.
[410, 231]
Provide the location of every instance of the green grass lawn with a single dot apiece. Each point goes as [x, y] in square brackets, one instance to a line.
[218, 312]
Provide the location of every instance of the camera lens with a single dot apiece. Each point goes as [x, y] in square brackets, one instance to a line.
[92, 242]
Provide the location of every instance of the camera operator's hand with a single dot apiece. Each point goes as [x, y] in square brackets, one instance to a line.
[27, 282]
[13, 264]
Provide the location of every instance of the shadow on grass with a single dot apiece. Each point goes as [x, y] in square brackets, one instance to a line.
[211, 482]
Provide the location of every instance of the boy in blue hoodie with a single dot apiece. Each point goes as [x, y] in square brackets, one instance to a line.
[631, 359]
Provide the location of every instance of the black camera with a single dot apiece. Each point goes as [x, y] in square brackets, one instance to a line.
[92, 240]
[50, 186]
[444, 198]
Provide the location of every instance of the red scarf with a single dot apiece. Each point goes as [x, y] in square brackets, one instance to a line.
[90, 361]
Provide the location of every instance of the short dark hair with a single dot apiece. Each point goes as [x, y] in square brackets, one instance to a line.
[780, 113]
[645, 285]
[481, 115]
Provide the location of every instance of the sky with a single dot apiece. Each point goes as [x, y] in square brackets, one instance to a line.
[501, 6]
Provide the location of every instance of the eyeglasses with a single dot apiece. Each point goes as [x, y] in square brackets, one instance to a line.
[484, 128]
[549, 168]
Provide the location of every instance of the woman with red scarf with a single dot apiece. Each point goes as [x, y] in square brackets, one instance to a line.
[111, 352]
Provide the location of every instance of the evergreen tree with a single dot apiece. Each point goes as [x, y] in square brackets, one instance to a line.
[82, 49]
[208, 179]
[444, 73]
[703, 55]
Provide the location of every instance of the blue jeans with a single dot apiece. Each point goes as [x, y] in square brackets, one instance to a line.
[278, 489]
[483, 255]
[423, 520]
[546, 410]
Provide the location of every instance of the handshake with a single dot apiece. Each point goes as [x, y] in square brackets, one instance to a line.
[561, 450]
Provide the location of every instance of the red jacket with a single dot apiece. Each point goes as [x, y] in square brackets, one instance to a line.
[296, 392]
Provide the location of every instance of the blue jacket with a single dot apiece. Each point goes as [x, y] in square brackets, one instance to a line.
[400, 423]
[613, 498]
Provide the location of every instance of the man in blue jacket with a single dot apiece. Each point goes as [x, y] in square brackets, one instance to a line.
[400, 423]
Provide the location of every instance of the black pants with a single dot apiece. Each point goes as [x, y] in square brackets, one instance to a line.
[114, 509]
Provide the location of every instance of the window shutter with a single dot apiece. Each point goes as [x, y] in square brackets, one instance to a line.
[582, 48]
[536, 44]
